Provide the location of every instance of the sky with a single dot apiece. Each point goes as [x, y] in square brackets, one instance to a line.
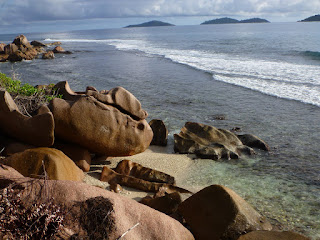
[39, 15]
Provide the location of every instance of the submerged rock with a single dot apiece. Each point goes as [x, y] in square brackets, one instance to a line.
[218, 213]
[209, 142]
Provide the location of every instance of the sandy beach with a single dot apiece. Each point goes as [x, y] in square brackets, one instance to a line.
[155, 157]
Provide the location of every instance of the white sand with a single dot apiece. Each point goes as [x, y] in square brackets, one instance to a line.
[158, 158]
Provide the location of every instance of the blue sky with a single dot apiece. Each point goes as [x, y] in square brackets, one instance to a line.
[60, 15]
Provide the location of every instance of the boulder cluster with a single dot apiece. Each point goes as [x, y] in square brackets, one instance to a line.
[82, 125]
[57, 142]
[21, 49]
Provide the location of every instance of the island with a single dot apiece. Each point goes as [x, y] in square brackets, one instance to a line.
[153, 23]
[315, 18]
[227, 20]
[224, 20]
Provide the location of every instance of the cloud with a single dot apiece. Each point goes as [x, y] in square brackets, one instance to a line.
[14, 11]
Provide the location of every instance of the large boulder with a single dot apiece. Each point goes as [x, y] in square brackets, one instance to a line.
[39, 162]
[99, 127]
[83, 199]
[37, 130]
[67, 93]
[122, 99]
[218, 213]
[160, 132]
[273, 235]
[129, 168]
[209, 142]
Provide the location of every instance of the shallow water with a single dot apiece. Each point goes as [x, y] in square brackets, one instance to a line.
[226, 71]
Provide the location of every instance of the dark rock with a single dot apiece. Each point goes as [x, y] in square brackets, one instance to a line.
[37, 44]
[253, 141]
[218, 213]
[79, 155]
[129, 168]
[160, 132]
[167, 204]
[273, 235]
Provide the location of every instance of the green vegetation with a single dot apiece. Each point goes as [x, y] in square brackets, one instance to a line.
[15, 87]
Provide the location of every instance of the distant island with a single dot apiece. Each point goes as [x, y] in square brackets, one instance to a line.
[227, 20]
[151, 24]
[315, 18]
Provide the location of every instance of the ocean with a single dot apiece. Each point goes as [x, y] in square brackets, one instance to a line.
[262, 78]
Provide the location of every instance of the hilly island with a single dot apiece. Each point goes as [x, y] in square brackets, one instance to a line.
[315, 18]
[227, 20]
[153, 23]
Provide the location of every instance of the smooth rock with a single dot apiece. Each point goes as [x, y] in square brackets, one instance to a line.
[160, 132]
[273, 235]
[218, 213]
[125, 212]
[67, 93]
[129, 168]
[35, 162]
[100, 128]
[37, 130]
[121, 99]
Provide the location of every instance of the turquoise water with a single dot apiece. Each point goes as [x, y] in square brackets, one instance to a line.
[265, 78]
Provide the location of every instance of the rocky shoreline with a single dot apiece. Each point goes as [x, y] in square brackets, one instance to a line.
[21, 49]
[64, 166]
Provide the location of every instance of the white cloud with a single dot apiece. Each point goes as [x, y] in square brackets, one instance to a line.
[12, 11]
